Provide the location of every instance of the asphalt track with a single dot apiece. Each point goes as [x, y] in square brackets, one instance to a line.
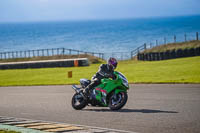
[150, 108]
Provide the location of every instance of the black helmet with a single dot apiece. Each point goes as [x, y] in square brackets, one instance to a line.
[112, 62]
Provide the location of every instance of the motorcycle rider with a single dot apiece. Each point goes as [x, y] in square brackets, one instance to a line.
[105, 71]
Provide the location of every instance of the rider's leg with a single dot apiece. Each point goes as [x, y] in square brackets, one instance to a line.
[93, 84]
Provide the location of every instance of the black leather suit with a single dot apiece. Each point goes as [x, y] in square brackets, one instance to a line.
[104, 72]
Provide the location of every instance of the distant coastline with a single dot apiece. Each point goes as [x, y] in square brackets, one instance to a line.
[119, 35]
[93, 20]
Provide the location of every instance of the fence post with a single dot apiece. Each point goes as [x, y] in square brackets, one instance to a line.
[20, 54]
[8, 54]
[121, 56]
[102, 55]
[156, 42]
[29, 53]
[145, 46]
[52, 52]
[70, 51]
[131, 54]
[38, 53]
[12, 55]
[57, 51]
[33, 53]
[174, 38]
[197, 36]
[16, 54]
[42, 52]
[25, 54]
[150, 45]
[47, 52]
[185, 38]
[5, 56]
[63, 49]
[165, 41]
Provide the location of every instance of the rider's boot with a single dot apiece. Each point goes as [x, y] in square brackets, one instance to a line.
[87, 92]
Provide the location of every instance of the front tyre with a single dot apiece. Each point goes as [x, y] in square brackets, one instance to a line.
[78, 102]
[117, 101]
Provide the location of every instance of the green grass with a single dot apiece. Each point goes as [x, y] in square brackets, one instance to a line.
[6, 131]
[174, 46]
[182, 70]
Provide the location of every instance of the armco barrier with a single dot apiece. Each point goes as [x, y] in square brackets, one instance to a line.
[46, 64]
[155, 56]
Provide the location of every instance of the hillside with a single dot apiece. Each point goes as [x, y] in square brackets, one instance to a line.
[174, 46]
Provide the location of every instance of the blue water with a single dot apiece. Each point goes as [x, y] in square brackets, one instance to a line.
[96, 36]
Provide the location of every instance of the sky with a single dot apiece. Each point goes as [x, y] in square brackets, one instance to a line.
[54, 10]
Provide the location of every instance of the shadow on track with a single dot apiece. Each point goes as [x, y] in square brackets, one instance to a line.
[131, 111]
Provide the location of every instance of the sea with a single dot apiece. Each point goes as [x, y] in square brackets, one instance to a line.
[106, 36]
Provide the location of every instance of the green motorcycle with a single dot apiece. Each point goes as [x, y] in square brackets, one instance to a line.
[110, 93]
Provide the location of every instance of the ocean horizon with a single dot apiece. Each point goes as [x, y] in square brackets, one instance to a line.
[105, 36]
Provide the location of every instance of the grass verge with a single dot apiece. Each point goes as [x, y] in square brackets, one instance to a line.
[183, 70]
[6, 131]
[174, 46]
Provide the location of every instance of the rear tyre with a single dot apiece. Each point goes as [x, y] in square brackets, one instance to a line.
[78, 102]
[117, 101]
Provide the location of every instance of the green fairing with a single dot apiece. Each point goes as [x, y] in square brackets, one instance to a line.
[109, 86]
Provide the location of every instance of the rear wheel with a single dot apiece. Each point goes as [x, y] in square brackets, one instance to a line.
[117, 101]
[78, 101]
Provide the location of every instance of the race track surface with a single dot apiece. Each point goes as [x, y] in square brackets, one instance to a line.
[150, 108]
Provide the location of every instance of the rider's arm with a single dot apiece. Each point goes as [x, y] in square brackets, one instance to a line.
[103, 71]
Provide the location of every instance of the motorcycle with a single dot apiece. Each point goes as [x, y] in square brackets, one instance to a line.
[110, 93]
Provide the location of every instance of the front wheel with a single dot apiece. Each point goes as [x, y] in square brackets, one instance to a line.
[117, 101]
[78, 101]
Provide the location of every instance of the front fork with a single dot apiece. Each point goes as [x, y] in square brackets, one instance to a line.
[79, 91]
